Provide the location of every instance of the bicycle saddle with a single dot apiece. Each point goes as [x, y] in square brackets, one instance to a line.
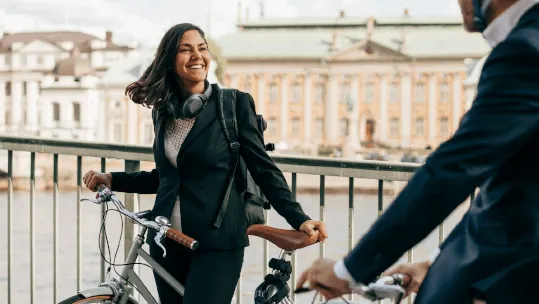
[288, 240]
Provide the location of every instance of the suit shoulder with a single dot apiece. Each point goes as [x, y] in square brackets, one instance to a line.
[522, 40]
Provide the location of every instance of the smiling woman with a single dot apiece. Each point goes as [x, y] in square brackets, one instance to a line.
[195, 171]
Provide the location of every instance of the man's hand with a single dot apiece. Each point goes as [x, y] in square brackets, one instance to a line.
[416, 272]
[311, 227]
[321, 278]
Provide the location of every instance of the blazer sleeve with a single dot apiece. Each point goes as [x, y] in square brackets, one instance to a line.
[503, 119]
[263, 170]
[142, 182]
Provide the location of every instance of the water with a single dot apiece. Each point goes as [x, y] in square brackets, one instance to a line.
[335, 247]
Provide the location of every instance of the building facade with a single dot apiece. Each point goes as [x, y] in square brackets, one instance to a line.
[376, 82]
[48, 81]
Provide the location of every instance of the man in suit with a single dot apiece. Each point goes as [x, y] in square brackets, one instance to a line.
[496, 149]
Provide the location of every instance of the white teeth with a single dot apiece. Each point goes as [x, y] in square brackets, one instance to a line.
[198, 66]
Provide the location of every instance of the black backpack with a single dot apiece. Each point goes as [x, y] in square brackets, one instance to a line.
[255, 201]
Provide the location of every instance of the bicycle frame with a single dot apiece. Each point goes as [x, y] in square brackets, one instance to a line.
[119, 287]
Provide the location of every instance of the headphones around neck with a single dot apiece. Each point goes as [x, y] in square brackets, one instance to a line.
[480, 12]
[190, 106]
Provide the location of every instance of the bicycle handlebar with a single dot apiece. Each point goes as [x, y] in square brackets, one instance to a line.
[161, 224]
[388, 287]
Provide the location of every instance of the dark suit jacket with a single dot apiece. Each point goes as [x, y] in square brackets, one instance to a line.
[201, 177]
[496, 148]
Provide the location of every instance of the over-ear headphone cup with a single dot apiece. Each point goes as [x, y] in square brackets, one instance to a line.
[193, 105]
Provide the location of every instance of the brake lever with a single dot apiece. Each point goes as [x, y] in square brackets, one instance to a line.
[159, 236]
[383, 291]
[95, 201]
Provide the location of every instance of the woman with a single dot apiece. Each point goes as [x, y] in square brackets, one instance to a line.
[192, 159]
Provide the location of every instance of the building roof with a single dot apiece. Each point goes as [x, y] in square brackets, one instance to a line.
[79, 39]
[128, 70]
[73, 66]
[311, 38]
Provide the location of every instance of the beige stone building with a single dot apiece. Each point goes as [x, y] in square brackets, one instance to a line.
[336, 82]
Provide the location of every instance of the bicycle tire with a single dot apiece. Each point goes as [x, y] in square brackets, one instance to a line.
[80, 299]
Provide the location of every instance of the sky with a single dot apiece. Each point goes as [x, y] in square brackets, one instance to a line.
[145, 21]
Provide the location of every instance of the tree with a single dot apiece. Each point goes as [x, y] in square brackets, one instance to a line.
[215, 50]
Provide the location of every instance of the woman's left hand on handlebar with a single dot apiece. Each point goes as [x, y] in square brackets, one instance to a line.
[311, 227]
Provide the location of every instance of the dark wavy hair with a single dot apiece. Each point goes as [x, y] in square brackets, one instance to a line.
[158, 83]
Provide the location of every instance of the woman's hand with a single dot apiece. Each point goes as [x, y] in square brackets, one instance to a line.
[92, 178]
[311, 227]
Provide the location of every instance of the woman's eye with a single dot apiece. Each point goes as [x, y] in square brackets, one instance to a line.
[203, 49]
[184, 50]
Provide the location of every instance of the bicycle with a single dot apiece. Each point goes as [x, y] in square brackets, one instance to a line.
[273, 290]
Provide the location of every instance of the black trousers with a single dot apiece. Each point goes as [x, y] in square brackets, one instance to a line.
[208, 276]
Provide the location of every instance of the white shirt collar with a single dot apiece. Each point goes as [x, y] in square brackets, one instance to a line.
[500, 28]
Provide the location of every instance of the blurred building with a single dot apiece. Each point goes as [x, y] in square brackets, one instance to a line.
[49, 82]
[329, 82]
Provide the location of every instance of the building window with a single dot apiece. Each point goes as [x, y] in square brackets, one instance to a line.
[8, 88]
[444, 92]
[247, 85]
[319, 93]
[343, 124]
[419, 126]
[319, 127]
[296, 92]
[76, 111]
[23, 59]
[295, 126]
[419, 92]
[39, 60]
[24, 88]
[444, 126]
[117, 104]
[394, 93]
[369, 93]
[345, 93]
[394, 127]
[56, 111]
[272, 126]
[117, 132]
[273, 94]
[148, 133]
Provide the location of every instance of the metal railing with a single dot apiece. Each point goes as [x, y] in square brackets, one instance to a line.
[133, 155]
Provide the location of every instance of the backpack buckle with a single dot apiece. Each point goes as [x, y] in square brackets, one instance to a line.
[235, 145]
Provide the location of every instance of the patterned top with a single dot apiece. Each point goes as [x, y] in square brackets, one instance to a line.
[176, 131]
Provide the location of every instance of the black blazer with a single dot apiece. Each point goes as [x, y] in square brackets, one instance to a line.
[495, 148]
[201, 177]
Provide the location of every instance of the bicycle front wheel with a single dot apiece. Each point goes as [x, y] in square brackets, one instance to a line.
[80, 299]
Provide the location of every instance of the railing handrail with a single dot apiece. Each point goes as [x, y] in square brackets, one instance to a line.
[382, 170]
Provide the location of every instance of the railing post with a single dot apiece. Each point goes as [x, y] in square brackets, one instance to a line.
[102, 236]
[9, 222]
[131, 200]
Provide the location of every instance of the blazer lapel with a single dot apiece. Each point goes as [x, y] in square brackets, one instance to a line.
[160, 134]
[204, 118]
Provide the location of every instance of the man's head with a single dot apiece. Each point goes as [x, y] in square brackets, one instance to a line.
[477, 14]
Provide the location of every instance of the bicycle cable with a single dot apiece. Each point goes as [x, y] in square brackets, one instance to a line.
[110, 262]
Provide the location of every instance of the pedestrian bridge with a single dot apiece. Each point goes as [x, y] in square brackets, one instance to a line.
[52, 241]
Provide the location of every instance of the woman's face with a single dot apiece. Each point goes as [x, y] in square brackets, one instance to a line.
[193, 58]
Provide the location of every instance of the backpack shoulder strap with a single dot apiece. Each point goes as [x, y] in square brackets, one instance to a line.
[227, 115]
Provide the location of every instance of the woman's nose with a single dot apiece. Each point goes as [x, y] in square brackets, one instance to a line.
[197, 54]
